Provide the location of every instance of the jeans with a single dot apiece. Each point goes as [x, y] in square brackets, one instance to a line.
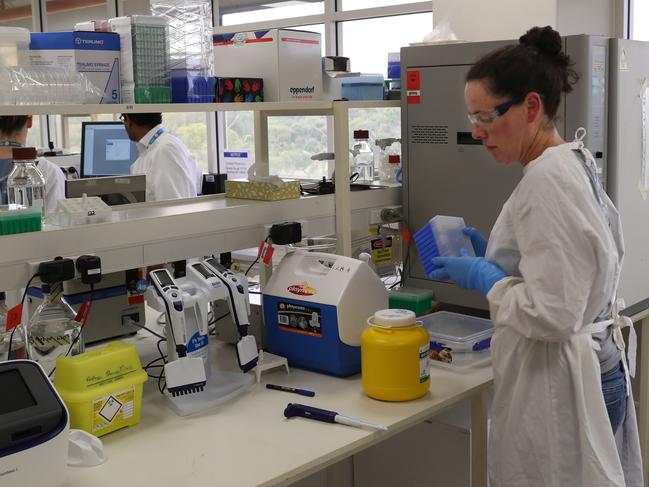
[614, 389]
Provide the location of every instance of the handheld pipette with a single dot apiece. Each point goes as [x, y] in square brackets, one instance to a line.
[327, 416]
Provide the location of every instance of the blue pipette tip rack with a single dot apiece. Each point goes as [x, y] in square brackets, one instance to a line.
[427, 247]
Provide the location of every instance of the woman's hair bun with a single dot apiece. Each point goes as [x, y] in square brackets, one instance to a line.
[544, 39]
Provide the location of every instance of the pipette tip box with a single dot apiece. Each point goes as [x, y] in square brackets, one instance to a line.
[441, 236]
[419, 301]
[18, 219]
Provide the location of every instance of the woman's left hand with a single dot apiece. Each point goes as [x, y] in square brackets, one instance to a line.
[467, 272]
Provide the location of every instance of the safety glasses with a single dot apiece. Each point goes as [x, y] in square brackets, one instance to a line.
[485, 118]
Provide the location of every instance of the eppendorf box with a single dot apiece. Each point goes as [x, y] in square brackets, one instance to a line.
[95, 54]
[287, 60]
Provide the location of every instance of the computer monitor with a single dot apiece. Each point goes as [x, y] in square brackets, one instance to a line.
[113, 190]
[106, 149]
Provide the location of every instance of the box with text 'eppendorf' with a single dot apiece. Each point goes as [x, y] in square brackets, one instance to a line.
[287, 60]
[94, 54]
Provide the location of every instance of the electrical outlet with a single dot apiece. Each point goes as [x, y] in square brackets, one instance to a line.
[265, 231]
[33, 266]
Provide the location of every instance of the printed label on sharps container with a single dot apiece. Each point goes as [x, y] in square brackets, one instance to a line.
[113, 408]
[424, 364]
[299, 319]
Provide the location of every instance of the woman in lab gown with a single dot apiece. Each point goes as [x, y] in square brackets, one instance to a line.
[561, 392]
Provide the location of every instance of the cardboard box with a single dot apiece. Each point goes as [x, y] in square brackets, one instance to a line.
[254, 190]
[287, 60]
[239, 90]
[95, 54]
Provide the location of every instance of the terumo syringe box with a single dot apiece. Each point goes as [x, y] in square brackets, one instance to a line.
[94, 54]
[287, 60]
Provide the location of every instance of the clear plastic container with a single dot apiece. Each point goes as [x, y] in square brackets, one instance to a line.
[190, 35]
[394, 164]
[44, 86]
[363, 162]
[17, 341]
[81, 211]
[26, 183]
[458, 332]
[384, 148]
[52, 330]
[14, 46]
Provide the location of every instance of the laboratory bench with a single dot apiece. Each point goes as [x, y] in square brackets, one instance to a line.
[246, 441]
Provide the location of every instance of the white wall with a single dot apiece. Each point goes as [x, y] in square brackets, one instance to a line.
[596, 17]
[484, 20]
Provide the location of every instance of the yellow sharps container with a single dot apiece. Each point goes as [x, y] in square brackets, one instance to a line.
[394, 356]
[102, 388]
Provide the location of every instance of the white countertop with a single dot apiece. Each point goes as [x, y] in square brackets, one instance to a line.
[248, 442]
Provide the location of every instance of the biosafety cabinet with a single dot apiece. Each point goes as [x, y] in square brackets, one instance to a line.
[447, 172]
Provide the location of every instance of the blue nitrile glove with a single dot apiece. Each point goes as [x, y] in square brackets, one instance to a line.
[477, 240]
[473, 273]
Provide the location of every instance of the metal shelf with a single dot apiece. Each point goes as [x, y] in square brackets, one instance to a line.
[294, 107]
[151, 233]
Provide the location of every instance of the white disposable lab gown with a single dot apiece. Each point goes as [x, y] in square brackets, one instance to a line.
[170, 171]
[54, 183]
[549, 425]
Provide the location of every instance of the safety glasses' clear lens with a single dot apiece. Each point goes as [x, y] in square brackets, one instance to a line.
[482, 119]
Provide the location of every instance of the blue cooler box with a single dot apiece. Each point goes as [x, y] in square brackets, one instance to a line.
[316, 306]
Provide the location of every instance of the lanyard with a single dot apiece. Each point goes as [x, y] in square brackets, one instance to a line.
[10, 143]
[155, 137]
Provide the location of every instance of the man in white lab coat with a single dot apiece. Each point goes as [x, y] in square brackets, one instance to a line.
[170, 171]
[13, 133]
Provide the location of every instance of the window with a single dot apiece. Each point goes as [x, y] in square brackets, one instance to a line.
[640, 17]
[291, 143]
[63, 15]
[244, 12]
[71, 129]
[385, 34]
[34, 134]
[357, 4]
[191, 128]
[239, 131]
[382, 123]
[134, 7]
[319, 28]
[16, 13]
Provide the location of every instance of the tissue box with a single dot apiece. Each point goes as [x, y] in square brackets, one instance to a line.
[255, 190]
